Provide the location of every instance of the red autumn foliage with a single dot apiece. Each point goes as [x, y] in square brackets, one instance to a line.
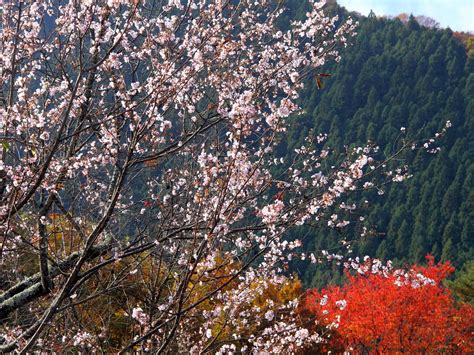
[396, 312]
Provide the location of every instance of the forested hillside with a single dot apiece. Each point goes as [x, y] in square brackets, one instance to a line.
[398, 75]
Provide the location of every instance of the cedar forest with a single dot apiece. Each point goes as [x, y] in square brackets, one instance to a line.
[234, 176]
[401, 75]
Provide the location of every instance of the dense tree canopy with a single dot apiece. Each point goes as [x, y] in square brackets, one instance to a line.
[400, 78]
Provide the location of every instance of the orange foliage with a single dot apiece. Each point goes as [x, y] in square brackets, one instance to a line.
[378, 313]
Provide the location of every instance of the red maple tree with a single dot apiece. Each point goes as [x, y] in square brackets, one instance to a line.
[400, 311]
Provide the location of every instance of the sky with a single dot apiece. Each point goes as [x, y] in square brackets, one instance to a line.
[456, 14]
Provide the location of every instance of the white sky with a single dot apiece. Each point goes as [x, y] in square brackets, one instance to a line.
[456, 14]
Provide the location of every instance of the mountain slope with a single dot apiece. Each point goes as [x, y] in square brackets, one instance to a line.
[402, 75]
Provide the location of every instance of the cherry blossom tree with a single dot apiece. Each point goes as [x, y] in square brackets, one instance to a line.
[145, 132]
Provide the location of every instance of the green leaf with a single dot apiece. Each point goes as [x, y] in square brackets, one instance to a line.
[6, 146]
